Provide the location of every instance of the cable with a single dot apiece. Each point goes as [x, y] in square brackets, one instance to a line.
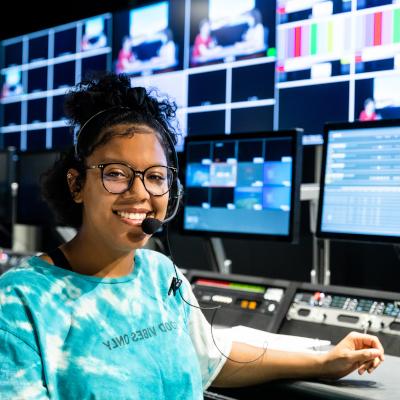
[177, 281]
[176, 287]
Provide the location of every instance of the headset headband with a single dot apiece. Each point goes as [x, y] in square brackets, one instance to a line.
[79, 134]
[94, 116]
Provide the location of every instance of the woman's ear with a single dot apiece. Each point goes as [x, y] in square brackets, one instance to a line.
[75, 185]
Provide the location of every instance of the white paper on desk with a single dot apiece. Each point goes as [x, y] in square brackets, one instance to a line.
[258, 338]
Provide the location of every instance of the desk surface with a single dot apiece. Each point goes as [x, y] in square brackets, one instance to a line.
[383, 383]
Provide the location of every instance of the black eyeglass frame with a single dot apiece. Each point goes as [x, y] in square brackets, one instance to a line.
[135, 173]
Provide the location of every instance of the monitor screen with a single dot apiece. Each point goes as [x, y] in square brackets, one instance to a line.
[36, 71]
[31, 208]
[360, 182]
[149, 39]
[224, 30]
[243, 185]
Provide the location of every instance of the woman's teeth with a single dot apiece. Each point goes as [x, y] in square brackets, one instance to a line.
[133, 216]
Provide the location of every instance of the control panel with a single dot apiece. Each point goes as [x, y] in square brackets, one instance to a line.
[253, 298]
[356, 312]
[254, 304]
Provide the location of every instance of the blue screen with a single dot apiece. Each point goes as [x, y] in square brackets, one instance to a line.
[239, 185]
[361, 193]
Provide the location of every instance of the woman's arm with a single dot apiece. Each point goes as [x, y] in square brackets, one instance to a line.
[355, 351]
[21, 370]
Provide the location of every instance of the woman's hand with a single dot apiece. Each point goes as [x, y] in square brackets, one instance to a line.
[356, 351]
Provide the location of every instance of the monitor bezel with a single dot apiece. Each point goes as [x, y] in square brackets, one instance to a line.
[356, 237]
[10, 169]
[37, 221]
[294, 219]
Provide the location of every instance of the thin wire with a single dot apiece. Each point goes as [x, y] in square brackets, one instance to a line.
[177, 276]
[208, 308]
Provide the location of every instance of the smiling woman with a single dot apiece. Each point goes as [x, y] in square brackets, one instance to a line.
[97, 304]
[93, 319]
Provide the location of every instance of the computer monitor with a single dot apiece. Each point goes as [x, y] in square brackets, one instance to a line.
[360, 182]
[31, 208]
[243, 185]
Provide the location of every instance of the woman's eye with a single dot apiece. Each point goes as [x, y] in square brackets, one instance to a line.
[115, 174]
[155, 178]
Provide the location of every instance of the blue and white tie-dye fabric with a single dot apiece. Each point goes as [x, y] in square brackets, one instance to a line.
[65, 335]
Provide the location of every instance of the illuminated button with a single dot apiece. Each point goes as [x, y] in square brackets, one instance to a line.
[222, 299]
[244, 303]
[252, 305]
[271, 307]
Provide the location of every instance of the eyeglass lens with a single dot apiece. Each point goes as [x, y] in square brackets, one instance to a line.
[118, 178]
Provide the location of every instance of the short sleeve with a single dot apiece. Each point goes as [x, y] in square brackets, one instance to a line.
[21, 373]
[212, 344]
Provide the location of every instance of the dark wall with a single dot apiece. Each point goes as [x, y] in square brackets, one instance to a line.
[19, 18]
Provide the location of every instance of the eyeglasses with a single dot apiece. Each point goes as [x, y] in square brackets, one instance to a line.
[118, 178]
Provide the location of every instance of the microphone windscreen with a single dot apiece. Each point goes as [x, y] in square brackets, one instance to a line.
[151, 225]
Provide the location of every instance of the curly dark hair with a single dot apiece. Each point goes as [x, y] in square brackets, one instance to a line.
[93, 106]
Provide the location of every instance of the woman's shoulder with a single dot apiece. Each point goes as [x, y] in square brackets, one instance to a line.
[27, 271]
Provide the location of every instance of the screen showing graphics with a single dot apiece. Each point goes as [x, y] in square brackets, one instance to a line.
[246, 184]
[342, 55]
[360, 183]
[31, 208]
[37, 69]
[149, 39]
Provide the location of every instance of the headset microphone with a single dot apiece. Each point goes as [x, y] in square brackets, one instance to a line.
[152, 225]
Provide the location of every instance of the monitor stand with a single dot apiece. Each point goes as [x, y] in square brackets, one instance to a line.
[26, 238]
[216, 255]
[320, 272]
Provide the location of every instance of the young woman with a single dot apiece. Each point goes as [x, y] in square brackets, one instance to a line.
[93, 318]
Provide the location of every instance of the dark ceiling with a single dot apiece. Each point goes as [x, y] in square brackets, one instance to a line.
[30, 16]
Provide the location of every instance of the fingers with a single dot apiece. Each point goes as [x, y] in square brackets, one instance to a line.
[363, 340]
[369, 366]
[366, 358]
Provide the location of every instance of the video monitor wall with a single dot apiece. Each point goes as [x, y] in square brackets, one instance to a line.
[338, 60]
[231, 66]
[360, 183]
[223, 77]
[254, 65]
[36, 71]
[243, 184]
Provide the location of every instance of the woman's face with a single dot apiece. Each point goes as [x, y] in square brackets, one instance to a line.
[102, 210]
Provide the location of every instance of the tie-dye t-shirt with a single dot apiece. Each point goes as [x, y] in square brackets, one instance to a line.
[65, 335]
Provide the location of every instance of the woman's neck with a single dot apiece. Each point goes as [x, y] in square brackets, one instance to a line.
[90, 258]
